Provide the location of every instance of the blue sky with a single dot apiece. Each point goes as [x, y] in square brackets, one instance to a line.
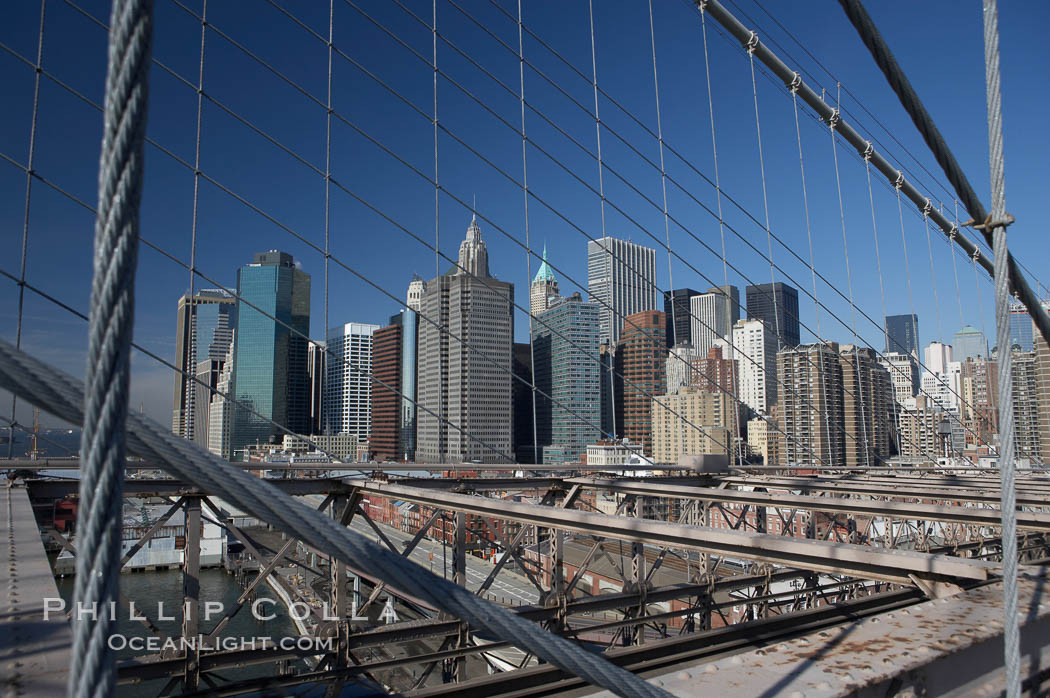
[941, 51]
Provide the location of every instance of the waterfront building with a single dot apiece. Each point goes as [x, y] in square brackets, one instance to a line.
[980, 401]
[1042, 389]
[466, 390]
[776, 305]
[348, 382]
[902, 334]
[1026, 399]
[611, 401]
[344, 448]
[564, 346]
[204, 328]
[621, 279]
[922, 434]
[270, 354]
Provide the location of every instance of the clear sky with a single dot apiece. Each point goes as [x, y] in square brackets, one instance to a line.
[940, 47]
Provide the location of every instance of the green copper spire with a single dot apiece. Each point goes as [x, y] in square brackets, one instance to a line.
[544, 273]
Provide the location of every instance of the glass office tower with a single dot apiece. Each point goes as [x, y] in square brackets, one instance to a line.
[270, 351]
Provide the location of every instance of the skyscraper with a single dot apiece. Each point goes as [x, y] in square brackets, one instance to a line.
[348, 382]
[731, 297]
[270, 355]
[621, 278]
[524, 439]
[710, 320]
[937, 356]
[1021, 334]
[415, 293]
[563, 348]
[754, 348]
[386, 390]
[810, 409]
[1024, 370]
[317, 371]
[904, 373]
[203, 330]
[676, 308]
[868, 407]
[776, 305]
[902, 334]
[970, 344]
[641, 353]
[409, 381]
[465, 366]
[220, 410]
[544, 287]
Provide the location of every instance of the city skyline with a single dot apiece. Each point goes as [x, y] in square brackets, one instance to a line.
[363, 240]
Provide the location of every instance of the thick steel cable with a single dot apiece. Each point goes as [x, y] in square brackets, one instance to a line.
[25, 218]
[105, 400]
[909, 99]
[528, 245]
[1008, 498]
[62, 395]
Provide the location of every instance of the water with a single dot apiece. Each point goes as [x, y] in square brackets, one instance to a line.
[146, 589]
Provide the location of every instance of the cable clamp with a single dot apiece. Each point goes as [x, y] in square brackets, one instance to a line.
[796, 82]
[834, 119]
[702, 4]
[868, 151]
[899, 182]
[953, 233]
[990, 224]
[927, 209]
[976, 255]
[752, 43]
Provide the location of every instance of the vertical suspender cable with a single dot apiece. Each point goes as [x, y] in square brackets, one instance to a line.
[327, 199]
[102, 444]
[721, 221]
[667, 223]
[812, 263]
[25, 220]
[601, 194]
[997, 221]
[528, 245]
[440, 426]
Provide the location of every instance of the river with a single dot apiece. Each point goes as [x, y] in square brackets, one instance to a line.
[146, 589]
